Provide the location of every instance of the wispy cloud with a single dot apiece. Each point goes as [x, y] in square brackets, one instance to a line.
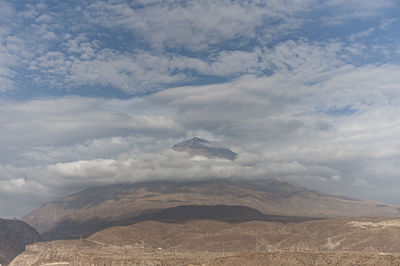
[142, 47]
[196, 25]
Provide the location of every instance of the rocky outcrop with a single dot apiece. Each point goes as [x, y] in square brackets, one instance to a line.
[14, 235]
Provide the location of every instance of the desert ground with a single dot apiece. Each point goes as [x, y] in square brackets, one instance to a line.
[363, 241]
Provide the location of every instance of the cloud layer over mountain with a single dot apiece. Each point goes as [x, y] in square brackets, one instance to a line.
[303, 89]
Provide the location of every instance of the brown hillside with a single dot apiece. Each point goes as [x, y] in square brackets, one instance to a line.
[373, 241]
[114, 203]
[372, 234]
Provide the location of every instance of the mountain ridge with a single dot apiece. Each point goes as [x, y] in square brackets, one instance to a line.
[122, 202]
[14, 236]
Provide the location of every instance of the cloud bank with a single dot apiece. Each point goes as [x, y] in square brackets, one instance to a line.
[289, 86]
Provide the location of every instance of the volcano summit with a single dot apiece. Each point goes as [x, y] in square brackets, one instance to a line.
[201, 147]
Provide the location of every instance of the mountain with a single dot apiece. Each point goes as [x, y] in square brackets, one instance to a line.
[14, 235]
[96, 208]
[202, 147]
[359, 241]
[233, 214]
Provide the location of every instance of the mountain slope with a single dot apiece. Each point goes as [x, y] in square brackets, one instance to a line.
[114, 203]
[361, 241]
[234, 214]
[14, 235]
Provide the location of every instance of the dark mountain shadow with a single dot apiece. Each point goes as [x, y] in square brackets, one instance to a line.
[233, 214]
[14, 236]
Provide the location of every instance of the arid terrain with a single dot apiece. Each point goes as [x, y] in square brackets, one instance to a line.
[97, 208]
[373, 241]
[308, 258]
[213, 222]
[109, 256]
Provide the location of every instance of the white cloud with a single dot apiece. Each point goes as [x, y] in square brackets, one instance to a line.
[49, 181]
[224, 39]
[7, 61]
[317, 112]
[200, 25]
[361, 183]
[361, 34]
[7, 11]
[63, 122]
[387, 23]
[197, 25]
[45, 18]
[73, 142]
[355, 9]
[146, 72]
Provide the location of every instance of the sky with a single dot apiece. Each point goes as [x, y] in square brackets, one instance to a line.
[97, 92]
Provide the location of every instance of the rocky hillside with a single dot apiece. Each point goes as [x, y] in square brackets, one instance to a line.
[14, 235]
[115, 203]
[372, 241]
[366, 234]
[307, 259]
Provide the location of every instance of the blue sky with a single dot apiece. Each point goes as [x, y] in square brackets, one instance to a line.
[96, 92]
[114, 49]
